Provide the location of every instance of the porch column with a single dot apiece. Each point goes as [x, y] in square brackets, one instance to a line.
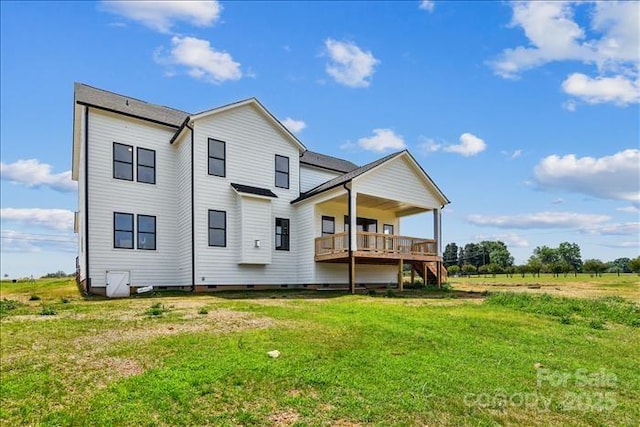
[353, 238]
[437, 231]
[400, 283]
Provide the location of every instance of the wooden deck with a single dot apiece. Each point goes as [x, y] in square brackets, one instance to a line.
[376, 248]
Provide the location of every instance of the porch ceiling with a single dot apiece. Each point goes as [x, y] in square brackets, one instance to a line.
[374, 202]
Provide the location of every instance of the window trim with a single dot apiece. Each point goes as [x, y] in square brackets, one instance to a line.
[210, 156]
[288, 172]
[138, 165]
[155, 232]
[328, 218]
[113, 166]
[115, 230]
[282, 235]
[209, 228]
[385, 227]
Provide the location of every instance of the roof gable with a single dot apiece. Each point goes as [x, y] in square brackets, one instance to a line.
[370, 168]
[253, 102]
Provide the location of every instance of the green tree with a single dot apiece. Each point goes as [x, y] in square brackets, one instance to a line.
[498, 253]
[475, 255]
[494, 269]
[594, 267]
[534, 265]
[620, 265]
[522, 270]
[450, 255]
[469, 269]
[453, 270]
[569, 253]
[634, 265]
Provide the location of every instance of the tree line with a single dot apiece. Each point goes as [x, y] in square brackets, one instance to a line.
[493, 257]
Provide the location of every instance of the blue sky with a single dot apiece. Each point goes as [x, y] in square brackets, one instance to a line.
[525, 114]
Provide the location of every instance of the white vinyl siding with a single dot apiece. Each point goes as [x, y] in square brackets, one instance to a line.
[182, 153]
[109, 195]
[251, 143]
[311, 177]
[255, 220]
[397, 180]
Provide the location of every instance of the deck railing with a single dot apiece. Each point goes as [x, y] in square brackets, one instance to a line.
[376, 243]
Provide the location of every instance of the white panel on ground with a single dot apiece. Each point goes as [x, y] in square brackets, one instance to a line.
[118, 284]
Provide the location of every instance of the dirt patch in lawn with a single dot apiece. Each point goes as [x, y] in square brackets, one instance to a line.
[284, 418]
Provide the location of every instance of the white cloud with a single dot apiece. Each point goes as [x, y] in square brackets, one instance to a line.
[162, 15]
[558, 201]
[569, 105]
[348, 64]
[623, 229]
[54, 219]
[295, 126]
[427, 146]
[615, 177]
[618, 90]
[382, 140]
[629, 209]
[510, 239]
[201, 60]
[17, 241]
[611, 43]
[427, 5]
[32, 173]
[539, 220]
[470, 145]
[512, 154]
[623, 245]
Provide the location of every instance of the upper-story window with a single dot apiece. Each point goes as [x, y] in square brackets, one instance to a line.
[282, 171]
[328, 225]
[146, 166]
[217, 158]
[122, 161]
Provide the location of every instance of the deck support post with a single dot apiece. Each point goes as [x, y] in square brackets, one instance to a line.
[400, 284]
[424, 272]
[439, 274]
[413, 274]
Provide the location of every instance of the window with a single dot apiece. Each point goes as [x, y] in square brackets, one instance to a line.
[122, 161]
[146, 167]
[282, 234]
[122, 230]
[217, 228]
[217, 156]
[328, 225]
[387, 229]
[282, 171]
[147, 232]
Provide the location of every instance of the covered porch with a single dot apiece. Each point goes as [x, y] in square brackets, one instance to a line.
[357, 219]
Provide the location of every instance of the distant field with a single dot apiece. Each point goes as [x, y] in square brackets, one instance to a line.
[582, 285]
[458, 357]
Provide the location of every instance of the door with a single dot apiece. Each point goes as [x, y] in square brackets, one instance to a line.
[118, 283]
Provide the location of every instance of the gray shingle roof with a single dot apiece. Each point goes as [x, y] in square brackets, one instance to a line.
[343, 179]
[327, 162]
[87, 95]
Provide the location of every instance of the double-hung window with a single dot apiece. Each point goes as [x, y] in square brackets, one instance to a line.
[147, 232]
[282, 234]
[146, 167]
[123, 230]
[122, 161]
[217, 158]
[217, 228]
[282, 171]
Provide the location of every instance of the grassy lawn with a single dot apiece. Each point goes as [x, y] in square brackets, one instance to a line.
[420, 358]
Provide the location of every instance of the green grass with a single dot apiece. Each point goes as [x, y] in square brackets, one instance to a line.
[420, 358]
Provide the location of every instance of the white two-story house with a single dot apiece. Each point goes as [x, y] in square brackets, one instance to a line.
[230, 199]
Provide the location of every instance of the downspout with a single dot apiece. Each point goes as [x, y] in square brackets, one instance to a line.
[193, 233]
[351, 278]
